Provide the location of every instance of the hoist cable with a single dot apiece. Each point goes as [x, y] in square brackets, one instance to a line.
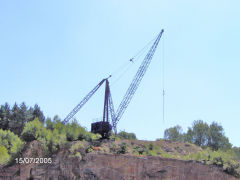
[163, 79]
[127, 65]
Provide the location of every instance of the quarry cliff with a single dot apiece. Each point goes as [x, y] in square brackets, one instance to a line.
[79, 160]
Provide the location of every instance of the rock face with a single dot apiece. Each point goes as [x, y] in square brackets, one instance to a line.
[97, 166]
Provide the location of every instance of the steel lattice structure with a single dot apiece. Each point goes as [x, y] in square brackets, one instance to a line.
[103, 127]
[85, 99]
[136, 81]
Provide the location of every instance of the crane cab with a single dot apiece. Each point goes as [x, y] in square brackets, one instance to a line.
[101, 127]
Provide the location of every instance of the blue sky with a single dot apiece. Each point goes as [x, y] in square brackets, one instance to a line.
[54, 52]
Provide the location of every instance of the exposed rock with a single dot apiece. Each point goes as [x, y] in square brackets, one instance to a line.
[96, 166]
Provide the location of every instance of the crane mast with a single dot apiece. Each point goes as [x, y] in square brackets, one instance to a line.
[135, 82]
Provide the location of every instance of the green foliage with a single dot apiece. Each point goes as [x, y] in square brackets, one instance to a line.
[76, 146]
[200, 134]
[11, 145]
[113, 148]
[55, 133]
[126, 135]
[173, 134]
[5, 157]
[141, 150]
[89, 149]
[15, 118]
[123, 148]
[49, 124]
[75, 132]
[216, 138]
[237, 152]
[151, 146]
[50, 140]
[33, 130]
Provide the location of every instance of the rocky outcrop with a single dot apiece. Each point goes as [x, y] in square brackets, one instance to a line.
[98, 166]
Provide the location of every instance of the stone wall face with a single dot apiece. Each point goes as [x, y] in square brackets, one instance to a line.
[117, 167]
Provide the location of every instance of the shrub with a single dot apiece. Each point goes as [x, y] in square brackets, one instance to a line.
[89, 149]
[75, 132]
[10, 145]
[151, 146]
[5, 157]
[49, 139]
[126, 135]
[140, 150]
[52, 141]
[33, 130]
[123, 149]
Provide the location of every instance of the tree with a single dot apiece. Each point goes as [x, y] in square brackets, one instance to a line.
[126, 135]
[49, 124]
[37, 113]
[10, 142]
[5, 114]
[33, 130]
[15, 120]
[4, 158]
[200, 133]
[188, 137]
[216, 138]
[174, 133]
[56, 118]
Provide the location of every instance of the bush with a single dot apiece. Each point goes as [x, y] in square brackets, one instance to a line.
[151, 146]
[33, 130]
[50, 140]
[5, 157]
[10, 145]
[75, 132]
[174, 133]
[123, 149]
[126, 135]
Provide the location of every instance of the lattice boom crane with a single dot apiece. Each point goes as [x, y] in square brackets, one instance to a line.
[135, 82]
[104, 127]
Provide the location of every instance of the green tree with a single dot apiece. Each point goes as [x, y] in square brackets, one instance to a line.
[37, 113]
[75, 132]
[4, 158]
[11, 142]
[5, 113]
[126, 135]
[174, 133]
[15, 120]
[200, 133]
[49, 124]
[237, 152]
[216, 138]
[33, 130]
[188, 137]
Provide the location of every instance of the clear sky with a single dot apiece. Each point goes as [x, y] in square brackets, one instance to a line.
[54, 52]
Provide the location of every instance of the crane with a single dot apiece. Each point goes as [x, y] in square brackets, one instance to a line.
[104, 127]
[81, 104]
[136, 81]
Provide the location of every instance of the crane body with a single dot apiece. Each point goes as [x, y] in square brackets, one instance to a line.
[104, 127]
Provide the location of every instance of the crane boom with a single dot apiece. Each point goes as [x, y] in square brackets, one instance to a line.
[136, 81]
[85, 99]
